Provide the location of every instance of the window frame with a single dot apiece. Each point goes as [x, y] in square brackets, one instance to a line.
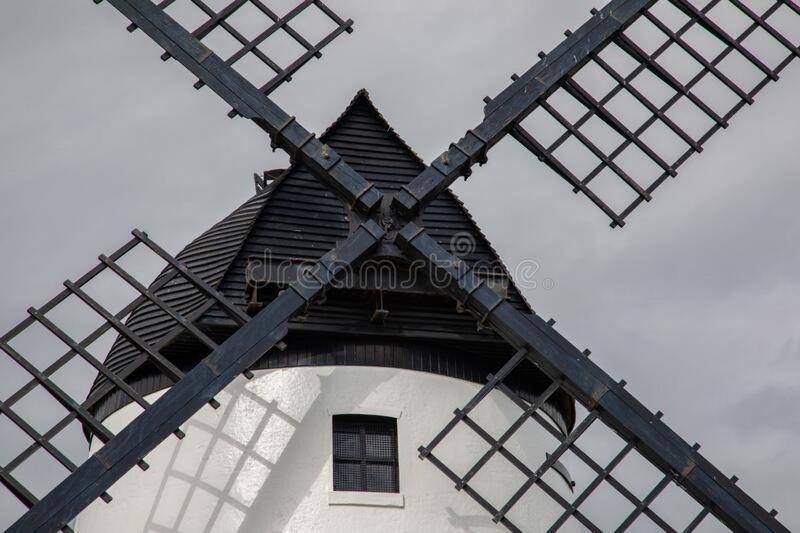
[364, 459]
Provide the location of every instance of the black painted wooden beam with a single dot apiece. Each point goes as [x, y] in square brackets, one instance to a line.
[251, 103]
[590, 385]
[197, 387]
[517, 101]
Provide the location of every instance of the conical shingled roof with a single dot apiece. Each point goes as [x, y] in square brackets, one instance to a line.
[297, 218]
[303, 220]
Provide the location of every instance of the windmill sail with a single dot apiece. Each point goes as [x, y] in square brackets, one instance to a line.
[244, 89]
[245, 33]
[52, 329]
[623, 101]
[615, 435]
[652, 94]
[61, 497]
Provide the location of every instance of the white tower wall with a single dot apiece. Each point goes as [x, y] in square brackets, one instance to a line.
[262, 462]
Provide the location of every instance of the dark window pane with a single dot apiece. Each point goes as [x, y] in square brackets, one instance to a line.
[381, 477]
[365, 453]
[381, 446]
[347, 476]
[347, 445]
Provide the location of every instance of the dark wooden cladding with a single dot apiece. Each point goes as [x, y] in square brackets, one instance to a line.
[209, 257]
[298, 218]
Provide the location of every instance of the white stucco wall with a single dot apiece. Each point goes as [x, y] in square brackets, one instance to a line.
[262, 462]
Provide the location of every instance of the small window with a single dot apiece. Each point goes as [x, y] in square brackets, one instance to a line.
[365, 453]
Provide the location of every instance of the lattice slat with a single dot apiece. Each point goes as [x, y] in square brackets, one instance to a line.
[655, 73]
[619, 467]
[580, 445]
[225, 27]
[46, 321]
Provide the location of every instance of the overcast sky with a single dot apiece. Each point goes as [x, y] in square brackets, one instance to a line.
[695, 302]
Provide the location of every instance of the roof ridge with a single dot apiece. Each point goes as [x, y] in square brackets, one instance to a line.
[363, 94]
[311, 212]
[266, 193]
[225, 220]
[480, 232]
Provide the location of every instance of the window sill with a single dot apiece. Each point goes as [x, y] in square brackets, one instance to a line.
[372, 499]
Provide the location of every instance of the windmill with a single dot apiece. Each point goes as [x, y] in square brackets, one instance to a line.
[254, 323]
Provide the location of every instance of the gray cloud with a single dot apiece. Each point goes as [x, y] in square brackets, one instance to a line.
[695, 303]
